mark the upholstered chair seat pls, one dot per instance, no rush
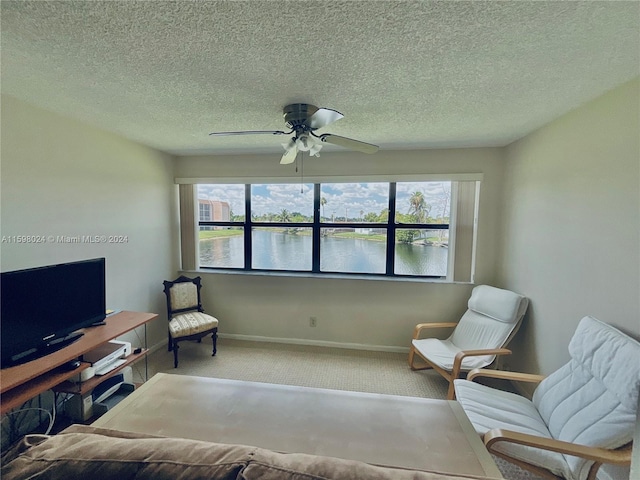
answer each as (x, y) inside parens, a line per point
(191, 323)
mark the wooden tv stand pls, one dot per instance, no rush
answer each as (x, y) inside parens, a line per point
(21, 383)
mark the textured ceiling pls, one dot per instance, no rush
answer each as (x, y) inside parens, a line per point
(405, 74)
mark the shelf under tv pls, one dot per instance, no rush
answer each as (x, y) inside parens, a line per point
(86, 387)
(20, 383)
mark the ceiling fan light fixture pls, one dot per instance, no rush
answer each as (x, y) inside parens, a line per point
(314, 151)
(304, 143)
(288, 146)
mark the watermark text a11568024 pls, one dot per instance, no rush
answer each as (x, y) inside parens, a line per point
(64, 239)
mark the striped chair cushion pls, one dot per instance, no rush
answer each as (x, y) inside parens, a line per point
(191, 323)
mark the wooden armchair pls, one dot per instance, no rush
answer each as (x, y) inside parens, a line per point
(581, 416)
(490, 322)
(187, 320)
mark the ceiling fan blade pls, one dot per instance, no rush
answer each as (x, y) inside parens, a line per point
(349, 143)
(290, 152)
(289, 156)
(250, 132)
(323, 117)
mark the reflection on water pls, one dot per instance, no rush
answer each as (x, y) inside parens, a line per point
(274, 250)
(421, 260)
(227, 252)
(279, 251)
(352, 255)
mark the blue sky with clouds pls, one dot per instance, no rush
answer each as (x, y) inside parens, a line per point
(349, 198)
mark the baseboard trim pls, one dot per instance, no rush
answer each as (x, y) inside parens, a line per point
(315, 343)
(157, 346)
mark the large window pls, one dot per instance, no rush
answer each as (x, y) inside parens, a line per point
(419, 229)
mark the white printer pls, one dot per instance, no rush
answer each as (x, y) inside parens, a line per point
(82, 407)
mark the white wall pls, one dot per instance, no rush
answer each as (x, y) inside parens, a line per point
(61, 177)
(379, 313)
(571, 229)
(571, 225)
(571, 237)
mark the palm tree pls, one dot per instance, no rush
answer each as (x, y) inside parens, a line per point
(418, 207)
(323, 202)
(284, 216)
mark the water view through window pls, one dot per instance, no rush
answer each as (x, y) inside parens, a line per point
(280, 251)
(351, 222)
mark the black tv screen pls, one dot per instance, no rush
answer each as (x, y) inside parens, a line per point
(41, 306)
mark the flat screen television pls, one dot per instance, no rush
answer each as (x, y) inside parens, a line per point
(42, 308)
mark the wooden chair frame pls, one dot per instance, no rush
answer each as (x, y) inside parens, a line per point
(620, 456)
(172, 344)
(456, 371)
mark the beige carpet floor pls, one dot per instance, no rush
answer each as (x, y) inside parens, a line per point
(306, 366)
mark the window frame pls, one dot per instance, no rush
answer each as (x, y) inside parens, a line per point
(316, 226)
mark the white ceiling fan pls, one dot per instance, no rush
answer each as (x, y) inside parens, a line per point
(304, 120)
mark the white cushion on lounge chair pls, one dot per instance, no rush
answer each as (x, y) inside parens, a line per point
(592, 401)
(492, 316)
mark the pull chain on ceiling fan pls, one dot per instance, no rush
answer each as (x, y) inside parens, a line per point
(304, 119)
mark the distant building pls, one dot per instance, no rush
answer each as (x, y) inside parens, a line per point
(213, 211)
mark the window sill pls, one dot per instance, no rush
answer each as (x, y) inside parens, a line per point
(334, 276)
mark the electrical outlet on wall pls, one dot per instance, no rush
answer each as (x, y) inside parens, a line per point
(313, 321)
